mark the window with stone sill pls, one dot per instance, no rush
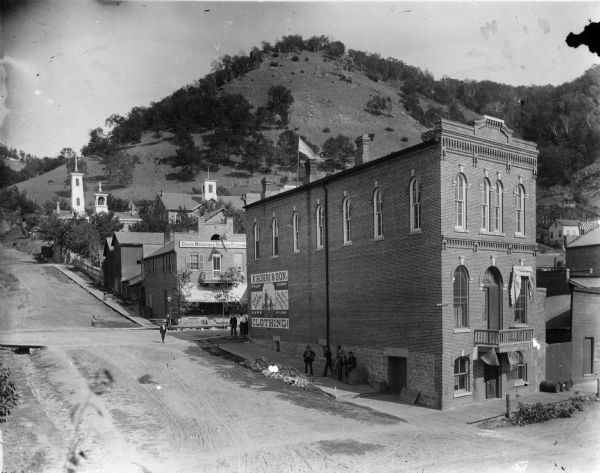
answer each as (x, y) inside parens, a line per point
(461, 375)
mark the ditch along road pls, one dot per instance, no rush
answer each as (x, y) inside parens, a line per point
(114, 399)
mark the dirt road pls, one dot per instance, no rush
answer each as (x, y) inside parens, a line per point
(128, 403)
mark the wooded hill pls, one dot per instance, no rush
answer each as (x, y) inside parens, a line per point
(247, 114)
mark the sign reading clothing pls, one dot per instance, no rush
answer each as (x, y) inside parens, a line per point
(269, 300)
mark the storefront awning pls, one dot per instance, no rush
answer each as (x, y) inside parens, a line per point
(490, 358)
(237, 294)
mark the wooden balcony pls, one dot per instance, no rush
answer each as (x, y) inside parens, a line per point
(210, 276)
(503, 338)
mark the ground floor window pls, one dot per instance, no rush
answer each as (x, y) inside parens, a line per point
(461, 374)
(518, 368)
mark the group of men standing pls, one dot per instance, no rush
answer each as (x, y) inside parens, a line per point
(343, 364)
(243, 323)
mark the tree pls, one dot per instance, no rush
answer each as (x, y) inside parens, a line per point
(120, 166)
(105, 224)
(184, 221)
(84, 240)
(279, 101)
(338, 152)
(378, 105)
(257, 149)
(228, 281)
(179, 303)
(336, 49)
(150, 222)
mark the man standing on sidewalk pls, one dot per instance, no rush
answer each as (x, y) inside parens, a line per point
(328, 365)
(309, 356)
(233, 324)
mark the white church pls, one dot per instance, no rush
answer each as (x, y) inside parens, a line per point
(128, 218)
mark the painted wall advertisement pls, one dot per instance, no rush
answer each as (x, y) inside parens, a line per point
(269, 300)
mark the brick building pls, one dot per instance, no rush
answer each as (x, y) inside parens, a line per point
(421, 262)
(205, 255)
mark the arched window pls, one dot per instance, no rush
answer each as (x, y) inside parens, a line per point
(461, 374)
(498, 207)
(415, 205)
(520, 210)
(346, 218)
(461, 297)
(460, 201)
(377, 214)
(275, 237)
(485, 206)
(320, 229)
(296, 232)
(256, 232)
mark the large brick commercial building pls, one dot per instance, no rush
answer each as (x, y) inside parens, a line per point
(420, 262)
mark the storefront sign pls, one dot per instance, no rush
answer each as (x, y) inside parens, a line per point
(212, 244)
(269, 300)
(262, 322)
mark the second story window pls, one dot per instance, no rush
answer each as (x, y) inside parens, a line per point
(461, 297)
(320, 228)
(238, 260)
(521, 302)
(275, 237)
(460, 202)
(216, 260)
(485, 205)
(346, 219)
(498, 210)
(377, 214)
(296, 232)
(520, 210)
(415, 205)
(256, 232)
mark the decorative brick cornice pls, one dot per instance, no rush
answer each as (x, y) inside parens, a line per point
(485, 245)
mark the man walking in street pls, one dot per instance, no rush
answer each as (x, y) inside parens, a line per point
(233, 324)
(163, 331)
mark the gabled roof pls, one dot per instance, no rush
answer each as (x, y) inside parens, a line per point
(235, 200)
(138, 238)
(590, 238)
(175, 201)
(567, 223)
(161, 251)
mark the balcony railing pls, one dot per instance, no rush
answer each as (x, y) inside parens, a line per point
(500, 338)
(208, 275)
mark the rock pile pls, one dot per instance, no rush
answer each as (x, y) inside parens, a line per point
(287, 374)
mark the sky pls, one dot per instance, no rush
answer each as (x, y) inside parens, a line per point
(67, 65)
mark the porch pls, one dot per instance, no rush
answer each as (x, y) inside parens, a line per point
(503, 338)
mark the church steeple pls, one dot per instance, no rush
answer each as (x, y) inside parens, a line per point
(101, 200)
(77, 199)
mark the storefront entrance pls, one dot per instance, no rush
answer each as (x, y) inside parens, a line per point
(491, 377)
(396, 373)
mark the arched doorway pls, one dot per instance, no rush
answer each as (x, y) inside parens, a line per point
(492, 284)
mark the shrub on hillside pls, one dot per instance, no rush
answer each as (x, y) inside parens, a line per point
(404, 139)
(295, 58)
(326, 130)
(8, 394)
(389, 128)
(273, 64)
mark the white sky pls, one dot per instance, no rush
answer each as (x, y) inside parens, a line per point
(67, 65)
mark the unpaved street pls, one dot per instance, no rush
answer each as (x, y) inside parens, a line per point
(127, 403)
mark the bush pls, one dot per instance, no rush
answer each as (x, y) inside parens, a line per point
(389, 128)
(273, 64)
(539, 412)
(305, 59)
(404, 139)
(326, 130)
(275, 55)
(8, 394)
(295, 58)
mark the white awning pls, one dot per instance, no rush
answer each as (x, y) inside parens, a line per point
(211, 295)
(515, 288)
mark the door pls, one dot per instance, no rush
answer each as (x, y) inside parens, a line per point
(588, 357)
(491, 377)
(396, 373)
(493, 298)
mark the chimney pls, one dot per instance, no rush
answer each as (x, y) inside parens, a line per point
(362, 149)
(263, 188)
(310, 170)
